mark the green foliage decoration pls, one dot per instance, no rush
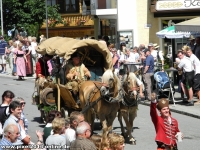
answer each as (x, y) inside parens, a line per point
(47, 108)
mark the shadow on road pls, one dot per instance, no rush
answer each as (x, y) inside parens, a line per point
(114, 128)
(37, 119)
(19, 79)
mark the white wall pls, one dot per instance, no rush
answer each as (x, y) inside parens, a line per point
(125, 10)
(127, 17)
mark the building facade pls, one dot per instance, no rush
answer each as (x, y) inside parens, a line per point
(76, 23)
(132, 21)
(169, 12)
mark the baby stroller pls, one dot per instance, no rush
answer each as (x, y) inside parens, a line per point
(164, 85)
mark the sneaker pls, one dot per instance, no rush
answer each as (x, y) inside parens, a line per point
(191, 103)
(3, 72)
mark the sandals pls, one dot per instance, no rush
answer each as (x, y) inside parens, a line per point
(197, 102)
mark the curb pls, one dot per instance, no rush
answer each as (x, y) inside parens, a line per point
(15, 77)
(176, 111)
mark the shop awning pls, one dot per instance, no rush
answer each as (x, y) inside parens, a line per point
(192, 25)
(170, 33)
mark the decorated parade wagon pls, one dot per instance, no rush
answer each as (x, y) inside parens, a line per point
(52, 92)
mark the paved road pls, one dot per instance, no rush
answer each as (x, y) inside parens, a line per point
(144, 131)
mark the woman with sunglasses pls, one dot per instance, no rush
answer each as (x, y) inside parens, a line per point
(23, 118)
(4, 109)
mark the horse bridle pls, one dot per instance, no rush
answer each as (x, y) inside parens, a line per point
(105, 93)
(128, 100)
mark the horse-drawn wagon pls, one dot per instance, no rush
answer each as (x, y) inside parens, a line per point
(98, 97)
(54, 94)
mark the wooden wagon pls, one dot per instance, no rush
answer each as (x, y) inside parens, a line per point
(55, 95)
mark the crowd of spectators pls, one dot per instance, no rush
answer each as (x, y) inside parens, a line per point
(20, 54)
(188, 64)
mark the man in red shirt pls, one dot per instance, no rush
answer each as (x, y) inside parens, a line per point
(42, 67)
(166, 127)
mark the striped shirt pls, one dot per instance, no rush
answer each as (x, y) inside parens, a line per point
(3, 45)
(4, 142)
(13, 120)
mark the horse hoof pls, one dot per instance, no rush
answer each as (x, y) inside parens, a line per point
(133, 143)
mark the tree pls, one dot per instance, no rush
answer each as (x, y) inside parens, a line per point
(28, 13)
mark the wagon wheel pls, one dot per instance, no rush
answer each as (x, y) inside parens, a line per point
(64, 112)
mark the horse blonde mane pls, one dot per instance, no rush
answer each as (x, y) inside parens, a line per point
(109, 74)
(131, 76)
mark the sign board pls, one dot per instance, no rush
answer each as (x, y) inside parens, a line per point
(177, 5)
(147, 26)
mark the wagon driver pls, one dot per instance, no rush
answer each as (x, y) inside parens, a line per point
(76, 74)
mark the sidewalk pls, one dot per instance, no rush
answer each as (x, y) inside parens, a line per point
(9, 74)
(180, 107)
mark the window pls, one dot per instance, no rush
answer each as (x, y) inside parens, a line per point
(51, 2)
(66, 6)
(72, 6)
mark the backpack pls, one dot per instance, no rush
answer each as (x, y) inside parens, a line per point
(3, 115)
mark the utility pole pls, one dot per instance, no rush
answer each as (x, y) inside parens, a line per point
(1, 17)
(47, 32)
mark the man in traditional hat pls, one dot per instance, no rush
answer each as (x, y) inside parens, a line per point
(156, 53)
(166, 127)
(76, 73)
(191, 43)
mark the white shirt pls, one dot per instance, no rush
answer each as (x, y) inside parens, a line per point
(122, 57)
(137, 56)
(70, 134)
(130, 58)
(33, 45)
(154, 53)
(186, 64)
(196, 63)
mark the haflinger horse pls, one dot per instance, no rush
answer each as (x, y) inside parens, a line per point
(101, 100)
(128, 106)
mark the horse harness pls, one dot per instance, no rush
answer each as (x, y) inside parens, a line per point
(129, 102)
(104, 94)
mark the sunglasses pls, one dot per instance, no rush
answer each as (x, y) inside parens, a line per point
(23, 103)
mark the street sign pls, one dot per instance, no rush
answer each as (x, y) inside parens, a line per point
(177, 5)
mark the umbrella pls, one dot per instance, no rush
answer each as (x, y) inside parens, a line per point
(170, 33)
(191, 25)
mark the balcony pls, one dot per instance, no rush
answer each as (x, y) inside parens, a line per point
(104, 9)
